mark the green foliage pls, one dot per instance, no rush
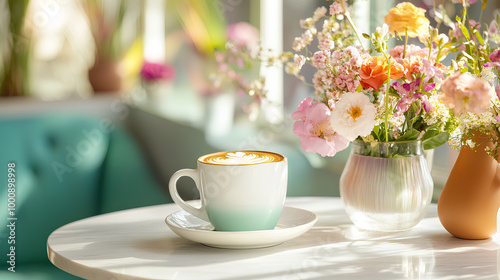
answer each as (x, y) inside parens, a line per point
(434, 138)
(203, 22)
(400, 149)
(14, 73)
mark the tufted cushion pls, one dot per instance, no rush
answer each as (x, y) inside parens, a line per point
(127, 180)
(57, 174)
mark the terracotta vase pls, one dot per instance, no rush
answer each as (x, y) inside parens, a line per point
(107, 76)
(469, 202)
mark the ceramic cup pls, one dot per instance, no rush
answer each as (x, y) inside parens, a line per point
(239, 190)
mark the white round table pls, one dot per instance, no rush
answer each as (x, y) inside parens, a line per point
(137, 244)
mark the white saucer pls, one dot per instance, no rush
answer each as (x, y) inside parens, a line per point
(292, 223)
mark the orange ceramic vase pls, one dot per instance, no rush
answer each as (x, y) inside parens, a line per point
(469, 202)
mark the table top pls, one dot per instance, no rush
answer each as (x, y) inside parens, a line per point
(137, 244)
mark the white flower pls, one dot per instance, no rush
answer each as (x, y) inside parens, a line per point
(441, 39)
(299, 60)
(353, 116)
(383, 31)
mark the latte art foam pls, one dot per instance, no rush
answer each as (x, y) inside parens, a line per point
(241, 158)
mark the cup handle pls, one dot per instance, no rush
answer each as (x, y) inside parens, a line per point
(172, 186)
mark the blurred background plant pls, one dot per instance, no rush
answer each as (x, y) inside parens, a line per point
(221, 65)
(204, 30)
(203, 23)
(116, 27)
(106, 21)
(238, 66)
(14, 48)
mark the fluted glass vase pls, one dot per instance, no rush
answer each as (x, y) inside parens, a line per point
(386, 186)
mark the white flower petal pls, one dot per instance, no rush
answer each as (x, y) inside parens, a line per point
(354, 116)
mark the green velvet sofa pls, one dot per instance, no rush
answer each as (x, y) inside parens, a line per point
(68, 166)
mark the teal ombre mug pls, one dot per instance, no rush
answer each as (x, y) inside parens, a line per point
(239, 190)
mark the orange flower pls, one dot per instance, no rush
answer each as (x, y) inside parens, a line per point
(373, 72)
(411, 65)
(406, 17)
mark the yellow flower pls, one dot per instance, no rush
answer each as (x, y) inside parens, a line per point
(406, 17)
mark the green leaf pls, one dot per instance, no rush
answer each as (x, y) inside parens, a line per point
(478, 36)
(433, 126)
(429, 134)
(464, 31)
(397, 156)
(376, 132)
(394, 92)
(366, 36)
(433, 139)
(410, 135)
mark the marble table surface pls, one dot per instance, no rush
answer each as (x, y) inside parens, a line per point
(137, 244)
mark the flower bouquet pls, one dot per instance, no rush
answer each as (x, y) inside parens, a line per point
(383, 101)
(387, 97)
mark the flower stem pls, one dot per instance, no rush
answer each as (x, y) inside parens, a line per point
(480, 15)
(476, 51)
(386, 97)
(406, 42)
(346, 14)
(438, 55)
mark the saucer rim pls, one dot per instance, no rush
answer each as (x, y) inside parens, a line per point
(288, 233)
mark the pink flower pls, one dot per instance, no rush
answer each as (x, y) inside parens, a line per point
(347, 81)
(155, 71)
(397, 51)
(220, 57)
(336, 8)
(497, 90)
(430, 70)
(495, 60)
(463, 92)
(319, 13)
(320, 58)
(301, 42)
(243, 34)
(298, 44)
(409, 95)
(355, 58)
(325, 42)
(299, 60)
(307, 36)
(315, 131)
(493, 27)
(495, 56)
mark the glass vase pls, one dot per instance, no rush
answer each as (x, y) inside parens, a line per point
(386, 186)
